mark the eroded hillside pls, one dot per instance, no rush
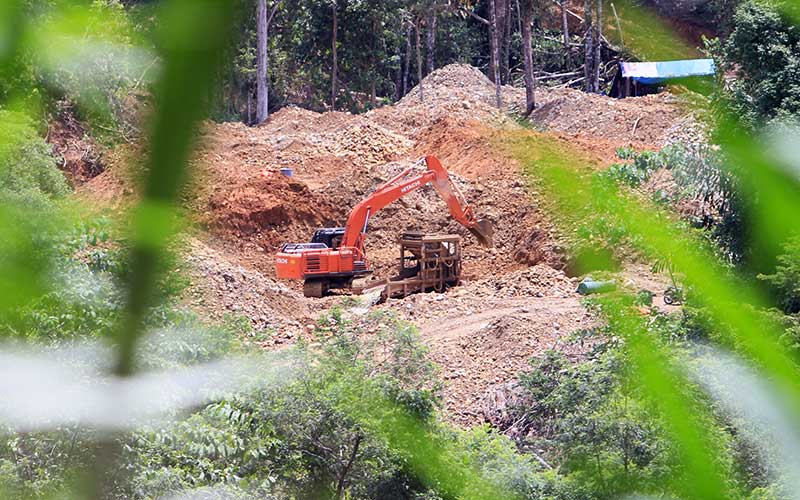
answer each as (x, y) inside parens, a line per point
(516, 300)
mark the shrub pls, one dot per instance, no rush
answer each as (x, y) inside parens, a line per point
(700, 176)
(585, 417)
(785, 281)
(27, 167)
(763, 49)
(637, 170)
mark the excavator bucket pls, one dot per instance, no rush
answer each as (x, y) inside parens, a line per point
(484, 232)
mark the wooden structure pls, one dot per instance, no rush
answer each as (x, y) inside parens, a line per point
(427, 263)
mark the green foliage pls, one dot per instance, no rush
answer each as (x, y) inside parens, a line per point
(28, 172)
(691, 430)
(86, 275)
(97, 68)
(641, 165)
(33, 465)
(391, 352)
(785, 281)
(298, 441)
(501, 462)
(701, 179)
(595, 424)
(763, 48)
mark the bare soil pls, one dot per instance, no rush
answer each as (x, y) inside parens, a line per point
(80, 158)
(515, 302)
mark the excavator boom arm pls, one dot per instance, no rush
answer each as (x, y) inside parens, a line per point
(396, 188)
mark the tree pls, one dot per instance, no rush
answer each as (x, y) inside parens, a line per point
(592, 44)
(763, 51)
(407, 68)
(419, 59)
(588, 59)
(497, 30)
(598, 43)
(565, 29)
(495, 47)
(526, 16)
(430, 38)
(334, 42)
(503, 12)
(265, 15)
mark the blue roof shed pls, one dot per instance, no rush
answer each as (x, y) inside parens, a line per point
(650, 73)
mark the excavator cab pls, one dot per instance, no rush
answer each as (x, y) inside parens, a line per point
(331, 237)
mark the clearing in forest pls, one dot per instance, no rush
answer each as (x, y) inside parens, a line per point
(516, 301)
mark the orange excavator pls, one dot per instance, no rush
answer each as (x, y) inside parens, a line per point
(335, 256)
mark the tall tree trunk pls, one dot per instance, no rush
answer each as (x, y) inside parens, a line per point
(407, 69)
(493, 29)
(565, 29)
(588, 66)
(598, 44)
(335, 71)
(262, 90)
(398, 82)
(506, 68)
(500, 12)
(249, 106)
(430, 41)
(527, 49)
(419, 59)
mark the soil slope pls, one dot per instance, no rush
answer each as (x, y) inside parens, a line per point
(515, 301)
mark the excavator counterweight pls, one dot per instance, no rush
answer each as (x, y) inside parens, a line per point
(335, 256)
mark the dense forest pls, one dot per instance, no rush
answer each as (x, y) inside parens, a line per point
(121, 377)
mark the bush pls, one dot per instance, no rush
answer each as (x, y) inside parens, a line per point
(763, 49)
(587, 418)
(27, 167)
(638, 169)
(785, 281)
(700, 176)
(295, 441)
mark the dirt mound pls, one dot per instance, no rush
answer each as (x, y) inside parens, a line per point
(457, 91)
(80, 157)
(452, 76)
(370, 144)
(483, 334)
(220, 286)
(267, 204)
(464, 147)
(115, 186)
(639, 121)
(537, 281)
(292, 118)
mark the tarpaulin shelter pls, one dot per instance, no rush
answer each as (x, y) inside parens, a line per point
(634, 78)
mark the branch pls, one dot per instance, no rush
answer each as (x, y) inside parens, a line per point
(273, 12)
(475, 16)
(576, 16)
(540, 459)
(346, 470)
